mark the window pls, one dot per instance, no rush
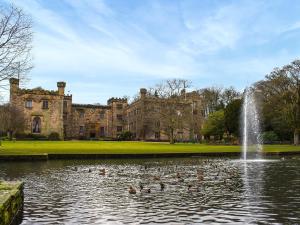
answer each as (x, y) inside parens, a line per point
(157, 124)
(28, 104)
(36, 125)
(119, 106)
(101, 115)
(157, 135)
(81, 129)
(45, 104)
(65, 106)
(81, 113)
(102, 131)
(119, 117)
(65, 130)
(119, 128)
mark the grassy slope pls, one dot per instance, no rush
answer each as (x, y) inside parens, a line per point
(88, 147)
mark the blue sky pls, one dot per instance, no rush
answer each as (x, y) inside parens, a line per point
(111, 48)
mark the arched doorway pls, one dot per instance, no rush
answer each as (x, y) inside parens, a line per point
(36, 125)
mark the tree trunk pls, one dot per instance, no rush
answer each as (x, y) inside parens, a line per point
(9, 135)
(172, 136)
(296, 137)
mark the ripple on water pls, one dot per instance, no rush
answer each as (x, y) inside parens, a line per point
(55, 193)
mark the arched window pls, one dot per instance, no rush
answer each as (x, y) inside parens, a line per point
(36, 125)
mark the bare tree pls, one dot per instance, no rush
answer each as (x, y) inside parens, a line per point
(212, 99)
(15, 44)
(12, 120)
(170, 106)
(230, 94)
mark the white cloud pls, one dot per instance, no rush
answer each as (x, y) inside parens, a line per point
(93, 40)
(124, 46)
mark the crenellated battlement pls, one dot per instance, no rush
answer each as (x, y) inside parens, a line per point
(121, 100)
(37, 91)
(90, 106)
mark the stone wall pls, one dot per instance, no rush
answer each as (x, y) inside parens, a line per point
(117, 116)
(144, 118)
(104, 121)
(11, 202)
(88, 120)
(51, 117)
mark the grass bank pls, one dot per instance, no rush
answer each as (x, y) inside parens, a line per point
(101, 147)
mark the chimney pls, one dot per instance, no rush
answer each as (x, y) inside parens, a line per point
(143, 92)
(14, 83)
(14, 86)
(61, 87)
(183, 93)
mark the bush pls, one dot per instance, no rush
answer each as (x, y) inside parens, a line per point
(269, 137)
(53, 136)
(21, 136)
(82, 138)
(24, 136)
(125, 136)
(36, 137)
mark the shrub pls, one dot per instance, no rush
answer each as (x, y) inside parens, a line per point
(125, 136)
(269, 137)
(53, 136)
(36, 137)
(29, 136)
(21, 136)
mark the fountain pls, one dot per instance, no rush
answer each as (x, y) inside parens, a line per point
(252, 141)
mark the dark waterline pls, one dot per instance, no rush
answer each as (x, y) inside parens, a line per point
(232, 192)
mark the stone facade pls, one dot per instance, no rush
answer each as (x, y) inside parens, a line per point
(43, 109)
(52, 111)
(146, 122)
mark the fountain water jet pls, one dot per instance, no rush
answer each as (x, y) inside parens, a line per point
(252, 141)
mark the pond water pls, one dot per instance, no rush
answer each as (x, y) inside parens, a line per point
(233, 192)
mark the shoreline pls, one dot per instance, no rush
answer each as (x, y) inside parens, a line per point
(46, 157)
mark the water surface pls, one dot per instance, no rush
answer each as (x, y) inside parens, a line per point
(233, 192)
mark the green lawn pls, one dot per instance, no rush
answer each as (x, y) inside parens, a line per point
(101, 147)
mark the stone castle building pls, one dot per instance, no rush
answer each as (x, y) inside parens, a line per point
(48, 111)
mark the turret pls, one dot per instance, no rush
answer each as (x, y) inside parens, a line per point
(117, 100)
(143, 92)
(14, 83)
(14, 87)
(61, 87)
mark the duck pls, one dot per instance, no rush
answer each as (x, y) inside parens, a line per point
(192, 189)
(148, 190)
(178, 175)
(102, 172)
(131, 190)
(90, 170)
(200, 175)
(156, 177)
(162, 186)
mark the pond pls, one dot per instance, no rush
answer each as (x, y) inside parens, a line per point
(231, 191)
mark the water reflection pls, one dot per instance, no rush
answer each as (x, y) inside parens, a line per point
(231, 191)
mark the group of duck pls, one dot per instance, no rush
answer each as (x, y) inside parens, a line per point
(102, 171)
(179, 179)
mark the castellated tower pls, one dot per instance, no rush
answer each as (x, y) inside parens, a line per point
(43, 109)
(143, 92)
(117, 115)
(61, 87)
(14, 87)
